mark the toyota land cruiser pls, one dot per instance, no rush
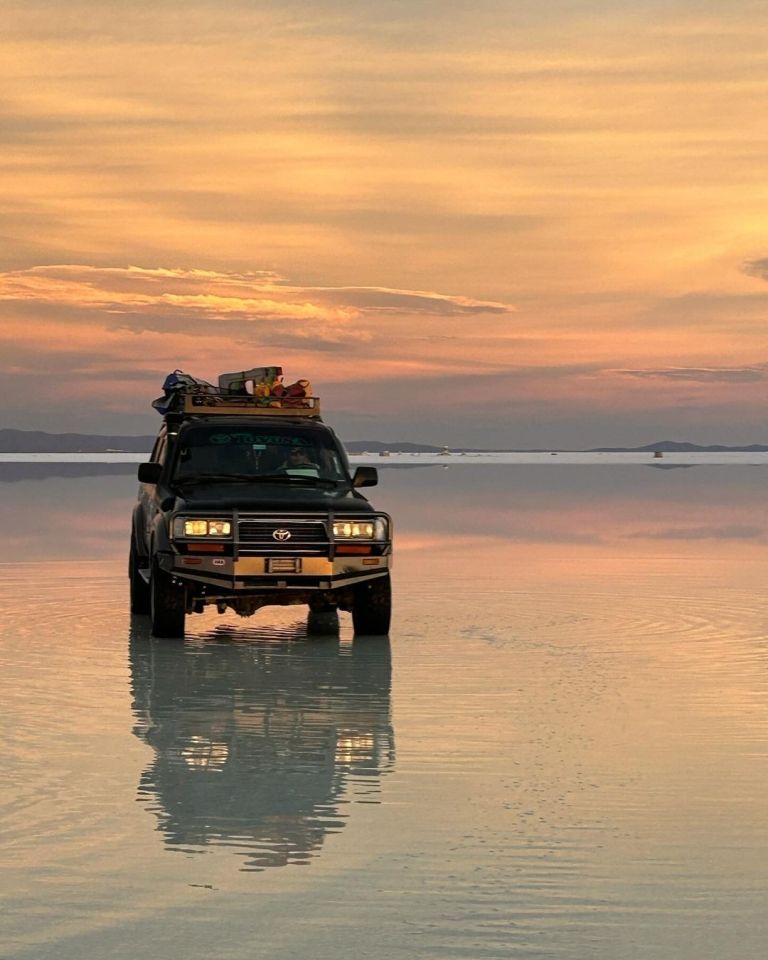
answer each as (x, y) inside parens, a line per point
(244, 505)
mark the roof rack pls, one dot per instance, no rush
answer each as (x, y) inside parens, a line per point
(221, 402)
(257, 392)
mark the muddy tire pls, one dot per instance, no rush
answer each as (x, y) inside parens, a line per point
(168, 604)
(139, 586)
(372, 608)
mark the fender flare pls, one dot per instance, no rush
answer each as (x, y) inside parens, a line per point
(160, 546)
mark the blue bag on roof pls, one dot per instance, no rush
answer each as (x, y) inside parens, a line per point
(177, 383)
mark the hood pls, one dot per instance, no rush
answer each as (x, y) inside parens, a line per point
(279, 496)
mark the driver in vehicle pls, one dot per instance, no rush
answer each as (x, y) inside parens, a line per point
(299, 464)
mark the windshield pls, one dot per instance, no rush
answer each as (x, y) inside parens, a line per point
(260, 451)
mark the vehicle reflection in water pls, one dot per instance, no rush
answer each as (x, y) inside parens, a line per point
(260, 746)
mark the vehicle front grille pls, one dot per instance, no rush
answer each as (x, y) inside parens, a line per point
(262, 536)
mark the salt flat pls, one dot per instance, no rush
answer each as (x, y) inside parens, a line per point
(559, 753)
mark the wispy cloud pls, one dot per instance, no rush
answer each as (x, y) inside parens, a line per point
(756, 268)
(742, 374)
(731, 532)
(216, 295)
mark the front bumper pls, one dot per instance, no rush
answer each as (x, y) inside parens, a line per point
(258, 575)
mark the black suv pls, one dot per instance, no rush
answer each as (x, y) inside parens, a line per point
(256, 507)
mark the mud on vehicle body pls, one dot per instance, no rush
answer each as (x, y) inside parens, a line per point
(243, 506)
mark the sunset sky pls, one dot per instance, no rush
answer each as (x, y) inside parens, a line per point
(493, 223)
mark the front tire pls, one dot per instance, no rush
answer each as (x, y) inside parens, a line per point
(140, 602)
(323, 622)
(168, 603)
(372, 608)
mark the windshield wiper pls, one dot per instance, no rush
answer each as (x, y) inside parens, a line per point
(294, 478)
(253, 478)
(213, 478)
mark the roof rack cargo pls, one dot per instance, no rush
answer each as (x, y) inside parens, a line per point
(256, 392)
(220, 402)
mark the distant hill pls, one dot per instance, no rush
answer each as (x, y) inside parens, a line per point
(37, 441)
(679, 446)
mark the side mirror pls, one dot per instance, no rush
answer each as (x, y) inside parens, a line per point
(365, 477)
(150, 472)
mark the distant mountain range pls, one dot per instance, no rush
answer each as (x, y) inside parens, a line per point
(672, 446)
(37, 441)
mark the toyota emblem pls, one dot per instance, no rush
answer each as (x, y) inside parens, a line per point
(281, 534)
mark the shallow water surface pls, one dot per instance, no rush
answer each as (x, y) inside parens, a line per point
(561, 751)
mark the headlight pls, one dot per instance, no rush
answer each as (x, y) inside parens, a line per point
(185, 527)
(374, 529)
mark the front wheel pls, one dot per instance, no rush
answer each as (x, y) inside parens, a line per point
(323, 622)
(168, 604)
(372, 608)
(140, 602)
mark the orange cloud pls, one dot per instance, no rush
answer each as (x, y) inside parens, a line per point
(211, 295)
